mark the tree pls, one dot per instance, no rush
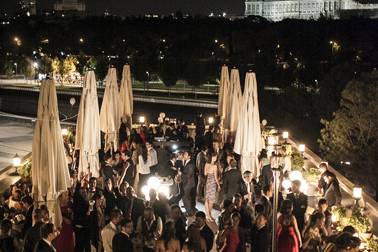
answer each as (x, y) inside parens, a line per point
(352, 134)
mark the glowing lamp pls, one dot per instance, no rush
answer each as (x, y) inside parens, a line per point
(142, 119)
(357, 192)
(210, 120)
(16, 160)
(286, 184)
(264, 122)
(174, 147)
(285, 135)
(146, 192)
(272, 140)
(153, 183)
(164, 189)
(302, 148)
(295, 175)
(64, 132)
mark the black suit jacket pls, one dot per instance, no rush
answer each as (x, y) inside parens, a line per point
(137, 209)
(188, 173)
(121, 242)
(244, 191)
(42, 246)
(28, 221)
(299, 208)
(267, 207)
(208, 235)
(260, 239)
(267, 175)
(32, 236)
(231, 183)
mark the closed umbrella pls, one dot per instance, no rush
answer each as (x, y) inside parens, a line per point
(223, 94)
(235, 100)
(50, 175)
(126, 95)
(88, 137)
(109, 114)
(248, 134)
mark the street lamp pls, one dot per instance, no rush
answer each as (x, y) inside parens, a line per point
(16, 160)
(302, 148)
(210, 120)
(64, 132)
(276, 175)
(142, 119)
(357, 194)
(285, 135)
(15, 64)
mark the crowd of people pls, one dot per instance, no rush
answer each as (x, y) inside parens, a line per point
(112, 213)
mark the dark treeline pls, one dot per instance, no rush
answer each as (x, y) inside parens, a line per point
(310, 61)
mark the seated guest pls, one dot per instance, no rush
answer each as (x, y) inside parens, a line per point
(232, 180)
(149, 229)
(168, 241)
(48, 235)
(206, 233)
(121, 241)
(109, 231)
(259, 234)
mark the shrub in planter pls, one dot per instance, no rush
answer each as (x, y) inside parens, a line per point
(352, 216)
(25, 170)
(297, 160)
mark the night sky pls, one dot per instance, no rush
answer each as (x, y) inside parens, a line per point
(135, 7)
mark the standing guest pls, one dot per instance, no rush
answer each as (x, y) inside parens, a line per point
(235, 237)
(143, 166)
(232, 181)
(188, 173)
(96, 220)
(128, 173)
(108, 232)
(322, 185)
(149, 229)
(110, 197)
(312, 241)
(205, 232)
(107, 170)
(266, 171)
(208, 137)
(246, 212)
(48, 235)
(323, 208)
(161, 207)
(200, 131)
(122, 199)
(299, 201)
(122, 241)
(288, 235)
(135, 206)
(92, 189)
(265, 202)
(333, 193)
(259, 234)
(168, 241)
(212, 183)
(180, 223)
(224, 219)
(65, 242)
(152, 156)
(200, 165)
(80, 210)
(33, 234)
(7, 241)
(194, 242)
(28, 207)
(247, 188)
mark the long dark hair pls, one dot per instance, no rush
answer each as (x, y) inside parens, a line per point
(210, 156)
(168, 233)
(286, 208)
(144, 152)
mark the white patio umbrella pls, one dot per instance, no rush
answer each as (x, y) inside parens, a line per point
(248, 134)
(235, 100)
(223, 95)
(88, 137)
(126, 95)
(109, 114)
(50, 175)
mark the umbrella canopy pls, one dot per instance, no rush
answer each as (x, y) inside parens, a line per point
(248, 133)
(109, 114)
(50, 175)
(235, 101)
(223, 93)
(126, 95)
(88, 137)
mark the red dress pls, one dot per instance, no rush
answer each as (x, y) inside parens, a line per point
(233, 241)
(287, 239)
(65, 240)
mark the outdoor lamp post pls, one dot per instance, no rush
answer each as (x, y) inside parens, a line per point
(142, 119)
(357, 194)
(301, 148)
(210, 120)
(276, 175)
(64, 132)
(16, 162)
(285, 135)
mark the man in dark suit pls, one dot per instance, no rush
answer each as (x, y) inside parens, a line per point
(232, 180)
(200, 165)
(121, 241)
(134, 206)
(47, 236)
(205, 232)
(33, 234)
(264, 200)
(266, 175)
(189, 184)
(299, 200)
(259, 234)
(247, 188)
(27, 203)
